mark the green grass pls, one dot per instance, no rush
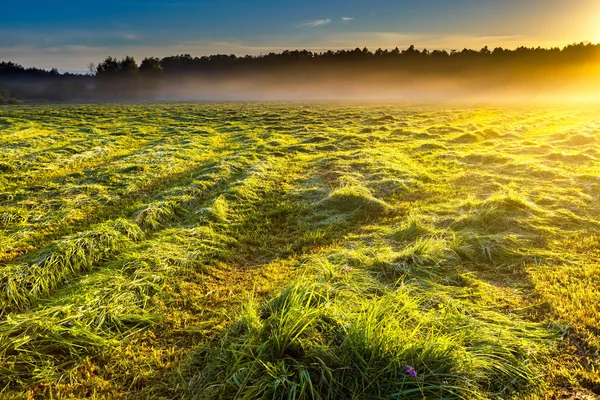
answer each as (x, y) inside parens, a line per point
(298, 251)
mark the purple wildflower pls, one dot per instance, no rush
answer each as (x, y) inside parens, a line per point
(347, 268)
(411, 371)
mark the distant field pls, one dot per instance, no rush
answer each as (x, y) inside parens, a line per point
(296, 251)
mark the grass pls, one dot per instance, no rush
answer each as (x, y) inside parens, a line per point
(298, 251)
(317, 340)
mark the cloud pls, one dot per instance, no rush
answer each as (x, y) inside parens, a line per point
(317, 22)
(347, 19)
(128, 36)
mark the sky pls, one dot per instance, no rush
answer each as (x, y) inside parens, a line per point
(69, 34)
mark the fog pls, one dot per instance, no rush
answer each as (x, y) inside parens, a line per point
(379, 87)
(567, 84)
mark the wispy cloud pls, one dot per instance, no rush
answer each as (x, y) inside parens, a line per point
(317, 22)
(347, 19)
(128, 36)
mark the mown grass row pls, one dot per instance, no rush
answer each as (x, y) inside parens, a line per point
(86, 319)
(40, 218)
(39, 273)
(43, 271)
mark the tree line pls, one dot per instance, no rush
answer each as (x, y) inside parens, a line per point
(410, 59)
(124, 77)
(18, 82)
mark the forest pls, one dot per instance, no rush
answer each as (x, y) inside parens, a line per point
(113, 78)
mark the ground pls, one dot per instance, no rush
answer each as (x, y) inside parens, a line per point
(258, 250)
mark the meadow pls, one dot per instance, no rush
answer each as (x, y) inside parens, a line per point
(299, 251)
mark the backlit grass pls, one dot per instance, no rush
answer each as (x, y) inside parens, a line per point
(298, 251)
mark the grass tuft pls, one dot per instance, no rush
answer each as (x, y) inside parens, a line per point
(351, 199)
(155, 215)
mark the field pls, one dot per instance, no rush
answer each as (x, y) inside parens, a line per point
(299, 251)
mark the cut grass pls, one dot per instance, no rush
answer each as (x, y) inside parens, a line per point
(44, 270)
(316, 341)
(298, 251)
(84, 320)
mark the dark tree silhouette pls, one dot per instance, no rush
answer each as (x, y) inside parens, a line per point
(117, 78)
(151, 68)
(125, 79)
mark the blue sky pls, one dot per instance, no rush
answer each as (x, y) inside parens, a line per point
(70, 34)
